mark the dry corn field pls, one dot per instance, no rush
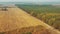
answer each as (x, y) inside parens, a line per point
(17, 21)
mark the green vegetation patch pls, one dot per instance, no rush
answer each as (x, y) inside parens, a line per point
(47, 13)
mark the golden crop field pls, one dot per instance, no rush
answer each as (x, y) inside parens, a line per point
(16, 18)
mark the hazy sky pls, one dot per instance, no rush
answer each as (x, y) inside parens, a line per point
(29, 0)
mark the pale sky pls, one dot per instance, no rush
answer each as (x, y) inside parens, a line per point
(29, 0)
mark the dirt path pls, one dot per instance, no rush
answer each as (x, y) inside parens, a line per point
(16, 18)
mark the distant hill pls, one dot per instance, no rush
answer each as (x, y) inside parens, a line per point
(29, 3)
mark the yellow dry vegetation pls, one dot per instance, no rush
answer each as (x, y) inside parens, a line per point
(16, 18)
